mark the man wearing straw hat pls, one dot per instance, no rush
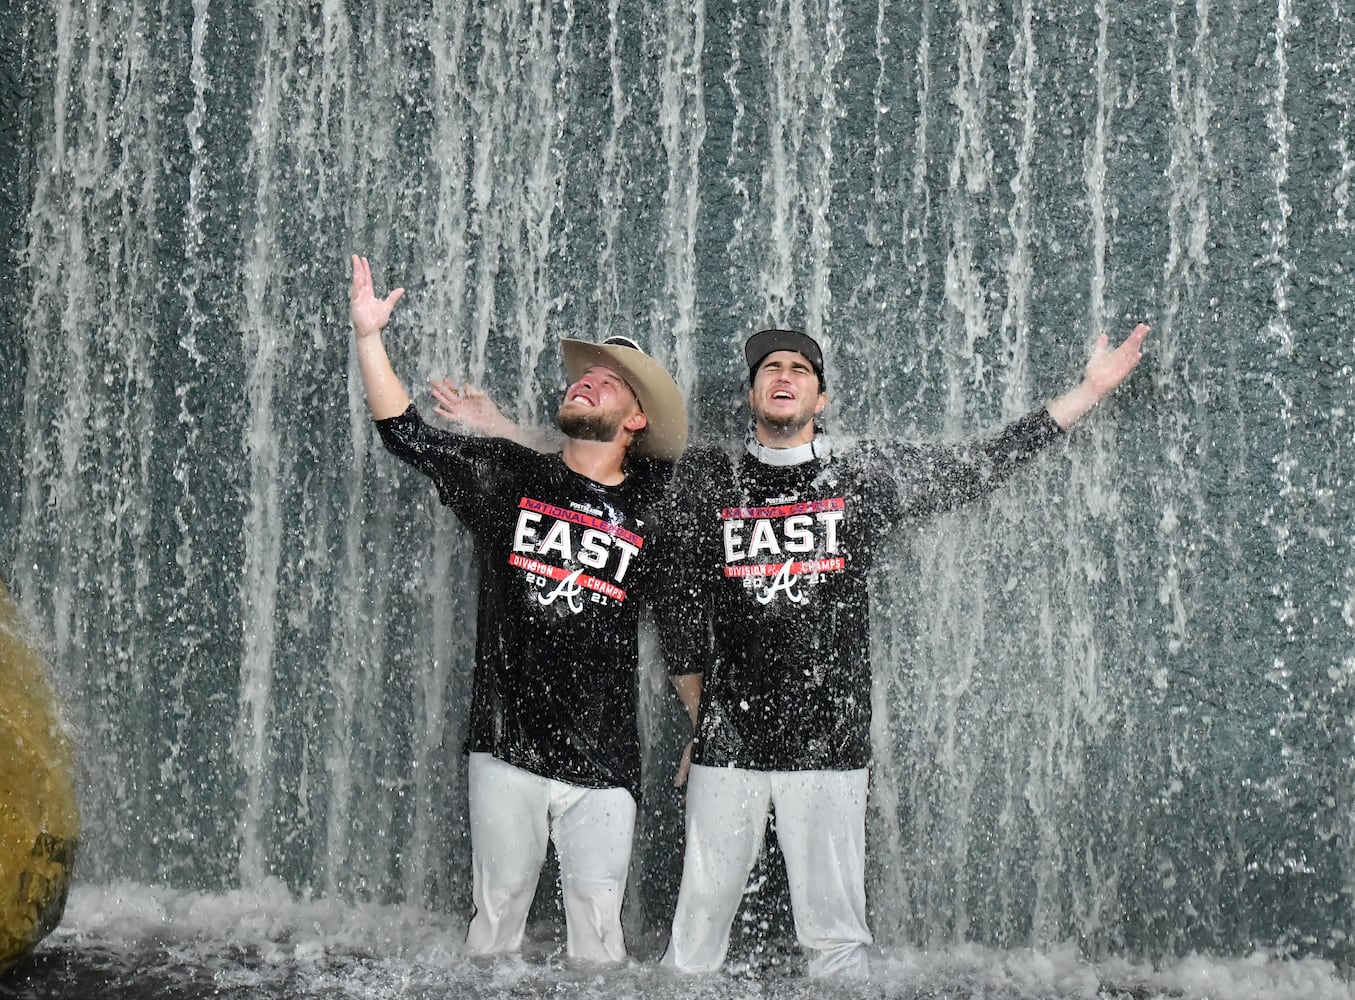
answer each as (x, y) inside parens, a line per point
(566, 545)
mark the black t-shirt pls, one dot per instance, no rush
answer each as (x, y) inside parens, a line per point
(564, 564)
(777, 559)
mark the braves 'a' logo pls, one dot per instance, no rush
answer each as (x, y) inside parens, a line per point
(569, 589)
(782, 582)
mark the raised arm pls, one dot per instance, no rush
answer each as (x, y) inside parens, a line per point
(386, 397)
(1106, 369)
(934, 478)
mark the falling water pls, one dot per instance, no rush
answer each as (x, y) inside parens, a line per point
(1114, 719)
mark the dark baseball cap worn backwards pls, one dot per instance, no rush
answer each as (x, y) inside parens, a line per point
(766, 342)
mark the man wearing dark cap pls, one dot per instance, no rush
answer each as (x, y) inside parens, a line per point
(566, 544)
(781, 541)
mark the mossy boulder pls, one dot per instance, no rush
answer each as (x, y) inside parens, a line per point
(39, 821)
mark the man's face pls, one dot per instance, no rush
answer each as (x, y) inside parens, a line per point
(598, 406)
(785, 394)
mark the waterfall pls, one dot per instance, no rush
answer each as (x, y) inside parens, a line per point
(1113, 704)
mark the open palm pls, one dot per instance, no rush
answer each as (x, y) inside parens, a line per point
(1108, 368)
(370, 314)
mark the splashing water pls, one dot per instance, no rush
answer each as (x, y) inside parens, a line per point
(1113, 706)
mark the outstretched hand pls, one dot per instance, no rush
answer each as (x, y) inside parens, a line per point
(369, 313)
(475, 414)
(470, 407)
(1107, 368)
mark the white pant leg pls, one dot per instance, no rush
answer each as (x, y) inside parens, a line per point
(821, 826)
(726, 820)
(593, 830)
(509, 810)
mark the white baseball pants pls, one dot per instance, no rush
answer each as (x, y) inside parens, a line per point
(512, 813)
(821, 827)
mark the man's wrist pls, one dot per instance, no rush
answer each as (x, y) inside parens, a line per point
(1069, 408)
(370, 341)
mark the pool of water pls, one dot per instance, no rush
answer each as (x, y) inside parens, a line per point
(131, 940)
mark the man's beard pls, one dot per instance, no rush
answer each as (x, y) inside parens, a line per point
(589, 425)
(786, 426)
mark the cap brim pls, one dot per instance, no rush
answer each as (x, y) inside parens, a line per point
(665, 434)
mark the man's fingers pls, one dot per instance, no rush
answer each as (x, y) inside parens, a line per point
(684, 767)
(356, 287)
(1135, 338)
(1134, 342)
(362, 282)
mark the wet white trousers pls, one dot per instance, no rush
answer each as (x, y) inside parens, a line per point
(512, 813)
(821, 827)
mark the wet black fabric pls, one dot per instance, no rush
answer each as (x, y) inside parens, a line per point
(564, 566)
(777, 560)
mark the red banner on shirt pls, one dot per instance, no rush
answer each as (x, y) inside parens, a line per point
(556, 573)
(795, 569)
(579, 517)
(783, 510)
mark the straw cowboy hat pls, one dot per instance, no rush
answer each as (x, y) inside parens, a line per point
(665, 435)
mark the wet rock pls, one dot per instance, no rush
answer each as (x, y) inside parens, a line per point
(39, 821)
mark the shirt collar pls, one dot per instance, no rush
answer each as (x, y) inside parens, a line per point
(817, 448)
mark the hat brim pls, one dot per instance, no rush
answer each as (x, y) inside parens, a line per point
(665, 434)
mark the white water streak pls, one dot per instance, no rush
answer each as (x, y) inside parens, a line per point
(189, 387)
(548, 60)
(1183, 271)
(970, 177)
(928, 341)
(788, 67)
(1023, 70)
(613, 182)
(262, 342)
(1277, 118)
(1094, 167)
(683, 124)
(884, 824)
(448, 264)
(818, 300)
(358, 600)
(742, 226)
(488, 110)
